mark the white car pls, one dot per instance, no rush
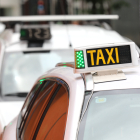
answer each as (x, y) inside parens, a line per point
(21, 65)
(97, 98)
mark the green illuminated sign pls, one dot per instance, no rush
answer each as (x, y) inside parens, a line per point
(79, 59)
(42, 80)
(23, 33)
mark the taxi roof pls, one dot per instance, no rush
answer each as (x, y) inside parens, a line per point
(132, 78)
(76, 92)
(63, 35)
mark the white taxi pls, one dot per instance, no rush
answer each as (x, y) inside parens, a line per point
(97, 98)
(23, 62)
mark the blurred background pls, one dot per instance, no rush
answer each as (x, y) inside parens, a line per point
(128, 10)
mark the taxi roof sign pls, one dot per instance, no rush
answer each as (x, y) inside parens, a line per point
(35, 32)
(105, 57)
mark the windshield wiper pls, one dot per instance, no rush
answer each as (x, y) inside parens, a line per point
(37, 51)
(20, 94)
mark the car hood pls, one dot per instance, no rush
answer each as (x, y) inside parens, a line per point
(9, 110)
(76, 35)
(90, 35)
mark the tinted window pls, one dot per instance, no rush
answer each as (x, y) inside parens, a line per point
(54, 121)
(27, 105)
(112, 115)
(45, 112)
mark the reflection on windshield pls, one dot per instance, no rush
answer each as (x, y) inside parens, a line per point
(112, 115)
(20, 70)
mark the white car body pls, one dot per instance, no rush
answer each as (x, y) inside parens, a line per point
(77, 91)
(62, 36)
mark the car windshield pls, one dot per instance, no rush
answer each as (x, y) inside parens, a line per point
(111, 115)
(21, 69)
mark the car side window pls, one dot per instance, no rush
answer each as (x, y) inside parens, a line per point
(54, 120)
(47, 116)
(30, 113)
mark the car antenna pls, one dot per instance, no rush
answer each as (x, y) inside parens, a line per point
(67, 29)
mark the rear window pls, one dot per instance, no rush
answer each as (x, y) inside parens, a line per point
(21, 69)
(111, 115)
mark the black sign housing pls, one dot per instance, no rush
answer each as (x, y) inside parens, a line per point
(108, 56)
(35, 34)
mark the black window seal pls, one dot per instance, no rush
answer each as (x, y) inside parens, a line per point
(19, 132)
(45, 111)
